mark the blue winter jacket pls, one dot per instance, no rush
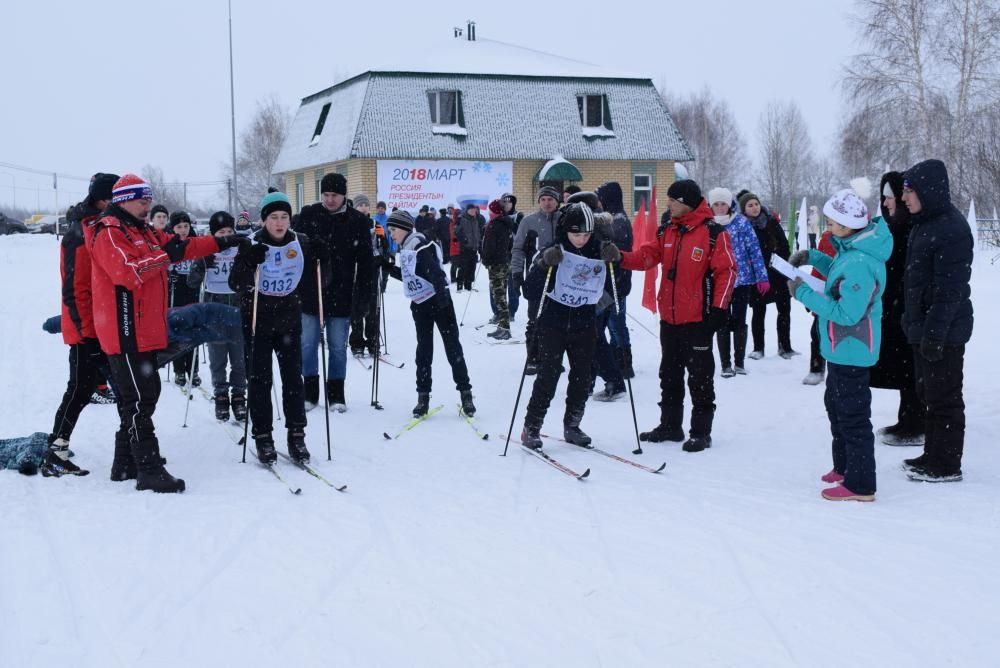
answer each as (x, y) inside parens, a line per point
(750, 268)
(850, 310)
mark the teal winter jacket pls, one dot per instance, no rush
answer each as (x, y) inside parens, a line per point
(850, 308)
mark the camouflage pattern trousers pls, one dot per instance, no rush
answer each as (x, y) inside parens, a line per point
(499, 275)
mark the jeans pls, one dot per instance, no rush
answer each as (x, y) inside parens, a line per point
(231, 351)
(336, 346)
(849, 406)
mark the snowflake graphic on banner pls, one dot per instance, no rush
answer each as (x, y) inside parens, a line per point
(477, 167)
(488, 167)
(502, 180)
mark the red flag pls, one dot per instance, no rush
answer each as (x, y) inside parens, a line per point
(649, 234)
(639, 226)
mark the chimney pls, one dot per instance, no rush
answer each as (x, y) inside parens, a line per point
(471, 32)
(458, 32)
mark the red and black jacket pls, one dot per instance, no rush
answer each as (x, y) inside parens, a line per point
(698, 267)
(74, 266)
(129, 279)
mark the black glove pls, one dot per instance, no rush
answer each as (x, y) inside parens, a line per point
(932, 351)
(552, 256)
(717, 318)
(799, 258)
(175, 247)
(518, 280)
(256, 254)
(610, 253)
(795, 284)
(387, 260)
(231, 241)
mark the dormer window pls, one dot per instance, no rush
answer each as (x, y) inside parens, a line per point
(446, 112)
(320, 124)
(595, 115)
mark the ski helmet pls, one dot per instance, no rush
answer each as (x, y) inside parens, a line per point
(577, 218)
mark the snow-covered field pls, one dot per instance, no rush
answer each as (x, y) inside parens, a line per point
(442, 553)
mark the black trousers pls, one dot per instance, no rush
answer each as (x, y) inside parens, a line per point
(185, 363)
(687, 348)
(467, 263)
(530, 331)
(137, 383)
(438, 310)
(816, 362)
(87, 369)
(735, 330)
(939, 386)
(783, 302)
(364, 329)
(287, 347)
(912, 413)
(578, 346)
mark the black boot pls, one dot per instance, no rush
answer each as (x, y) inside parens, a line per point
(624, 358)
(310, 386)
(669, 428)
(335, 394)
(423, 404)
(180, 379)
(722, 338)
(468, 407)
(697, 443)
(195, 380)
(739, 347)
(123, 464)
(297, 445)
(530, 437)
(239, 406)
(571, 429)
(222, 407)
(150, 473)
(264, 445)
(57, 462)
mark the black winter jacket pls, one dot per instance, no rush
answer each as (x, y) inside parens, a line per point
(553, 314)
(938, 262)
(772, 241)
(347, 237)
(497, 241)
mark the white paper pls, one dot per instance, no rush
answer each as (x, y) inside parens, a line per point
(781, 266)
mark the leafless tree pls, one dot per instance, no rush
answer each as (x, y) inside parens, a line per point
(710, 128)
(170, 196)
(786, 152)
(258, 147)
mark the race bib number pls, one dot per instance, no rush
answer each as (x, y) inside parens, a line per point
(414, 287)
(282, 270)
(217, 277)
(579, 281)
(182, 268)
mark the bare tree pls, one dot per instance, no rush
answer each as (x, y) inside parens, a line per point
(786, 152)
(258, 147)
(170, 196)
(710, 128)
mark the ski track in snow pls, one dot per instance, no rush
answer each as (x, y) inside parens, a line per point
(443, 553)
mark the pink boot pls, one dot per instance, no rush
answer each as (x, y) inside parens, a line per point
(833, 477)
(841, 493)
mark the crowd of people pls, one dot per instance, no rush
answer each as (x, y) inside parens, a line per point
(892, 309)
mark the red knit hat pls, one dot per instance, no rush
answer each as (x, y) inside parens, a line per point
(130, 187)
(496, 207)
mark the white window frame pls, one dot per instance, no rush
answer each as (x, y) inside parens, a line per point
(300, 194)
(647, 190)
(582, 107)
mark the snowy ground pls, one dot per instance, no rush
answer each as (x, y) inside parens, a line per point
(443, 553)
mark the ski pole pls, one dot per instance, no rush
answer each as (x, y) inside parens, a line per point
(628, 381)
(171, 306)
(524, 371)
(322, 348)
(274, 392)
(249, 357)
(378, 307)
(469, 298)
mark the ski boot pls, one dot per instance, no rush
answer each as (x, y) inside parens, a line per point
(264, 445)
(611, 392)
(57, 461)
(530, 437)
(468, 407)
(423, 404)
(697, 444)
(311, 390)
(239, 406)
(222, 407)
(150, 473)
(335, 392)
(500, 334)
(180, 379)
(195, 380)
(297, 445)
(662, 433)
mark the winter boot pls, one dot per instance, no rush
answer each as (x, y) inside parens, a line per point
(468, 407)
(311, 391)
(500, 334)
(222, 407)
(239, 406)
(530, 437)
(669, 428)
(899, 435)
(787, 353)
(841, 493)
(358, 351)
(928, 473)
(756, 355)
(740, 371)
(57, 462)
(910, 464)
(571, 429)
(180, 379)
(739, 347)
(423, 404)
(624, 358)
(697, 443)
(335, 392)
(195, 380)
(611, 392)
(103, 395)
(728, 372)
(265, 449)
(150, 473)
(297, 445)
(832, 478)
(813, 378)
(123, 464)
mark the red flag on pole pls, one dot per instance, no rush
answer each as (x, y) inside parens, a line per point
(639, 227)
(649, 234)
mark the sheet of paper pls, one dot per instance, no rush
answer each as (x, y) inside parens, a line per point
(782, 267)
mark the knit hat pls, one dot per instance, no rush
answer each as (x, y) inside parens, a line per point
(585, 197)
(686, 192)
(360, 199)
(549, 191)
(178, 217)
(244, 217)
(720, 195)
(158, 208)
(333, 183)
(130, 187)
(496, 207)
(846, 208)
(508, 197)
(745, 199)
(220, 220)
(275, 202)
(101, 186)
(572, 189)
(425, 208)
(401, 219)
(577, 218)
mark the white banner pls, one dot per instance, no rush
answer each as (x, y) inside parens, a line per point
(410, 184)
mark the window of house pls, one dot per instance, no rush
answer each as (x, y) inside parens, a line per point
(300, 191)
(318, 182)
(642, 190)
(446, 112)
(595, 115)
(320, 123)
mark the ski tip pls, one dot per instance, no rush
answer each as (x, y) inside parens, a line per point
(486, 437)
(387, 436)
(662, 466)
(342, 488)
(296, 491)
(584, 475)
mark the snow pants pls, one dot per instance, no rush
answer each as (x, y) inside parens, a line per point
(287, 347)
(137, 383)
(848, 402)
(438, 310)
(87, 370)
(578, 346)
(687, 348)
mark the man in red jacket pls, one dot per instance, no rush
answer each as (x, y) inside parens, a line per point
(87, 364)
(129, 280)
(696, 286)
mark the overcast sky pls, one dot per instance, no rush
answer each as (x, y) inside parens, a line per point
(106, 86)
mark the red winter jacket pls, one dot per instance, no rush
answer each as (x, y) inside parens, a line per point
(685, 251)
(825, 246)
(74, 267)
(130, 280)
(454, 248)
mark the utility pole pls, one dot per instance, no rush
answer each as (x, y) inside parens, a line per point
(234, 196)
(185, 195)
